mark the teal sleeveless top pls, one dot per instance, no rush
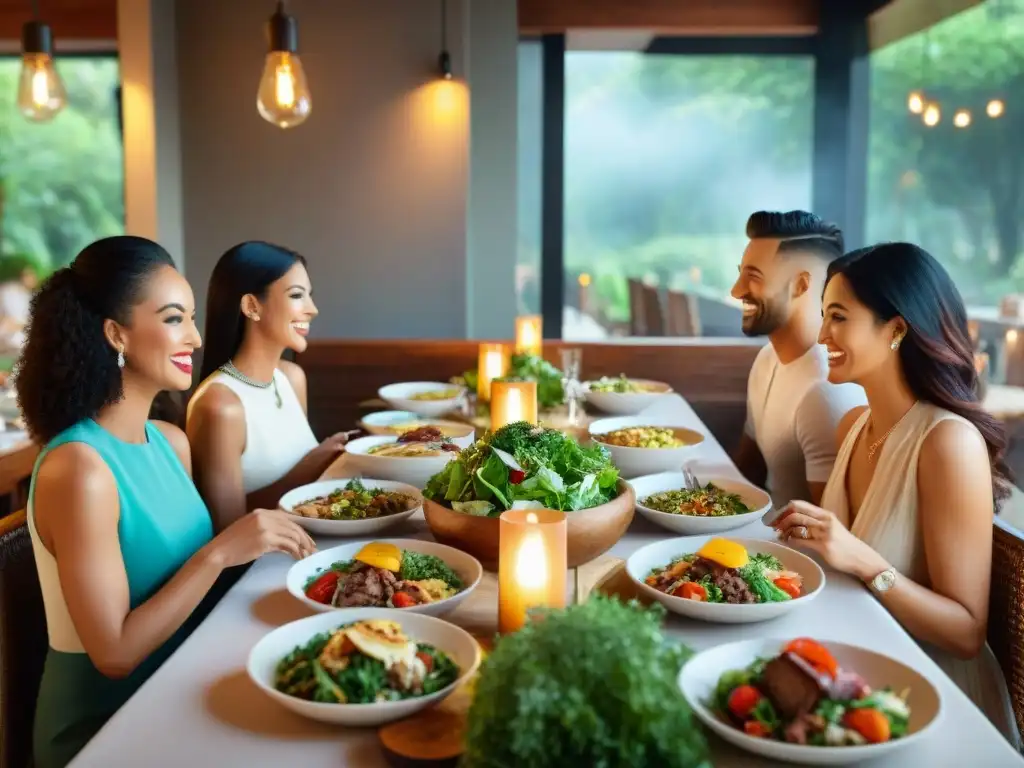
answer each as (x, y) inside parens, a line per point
(163, 522)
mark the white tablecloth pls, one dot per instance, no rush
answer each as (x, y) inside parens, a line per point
(200, 708)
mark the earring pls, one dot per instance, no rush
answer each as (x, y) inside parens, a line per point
(896, 343)
(120, 358)
(256, 318)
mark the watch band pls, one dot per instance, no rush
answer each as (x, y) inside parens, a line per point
(883, 582)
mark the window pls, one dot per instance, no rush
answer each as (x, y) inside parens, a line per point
(955, 187)
(62, 182)
(666, 156)
(529, 175)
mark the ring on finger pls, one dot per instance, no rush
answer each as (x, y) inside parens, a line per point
(801, 532)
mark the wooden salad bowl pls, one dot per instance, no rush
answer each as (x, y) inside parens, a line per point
(589, 532)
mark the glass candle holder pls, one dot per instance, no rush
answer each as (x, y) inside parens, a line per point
(513, 401)
(532, 564)
(492, 363)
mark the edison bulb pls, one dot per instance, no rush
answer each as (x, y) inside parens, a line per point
(915, 102)
(283, 98)
(41, 92)
(995, 108)
(931, 115)
(962, 118)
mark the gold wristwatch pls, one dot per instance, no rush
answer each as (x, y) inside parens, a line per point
(884, 581)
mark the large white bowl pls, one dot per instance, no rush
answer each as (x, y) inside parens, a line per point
(367, 527)
(759, 501)
(414, 470)
(634, 462)
(700, 675)
(383, 423)
(399, 397)
(660, 553)
(466, 566)
(268, 652)
(625, 403)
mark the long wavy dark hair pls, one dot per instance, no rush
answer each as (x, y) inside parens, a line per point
(249, 267)
(901, 279)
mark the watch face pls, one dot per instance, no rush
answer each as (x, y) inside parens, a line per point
(884, 581)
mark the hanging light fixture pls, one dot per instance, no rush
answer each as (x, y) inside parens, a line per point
(995, 108)
(283, 96)
(962, 118)
(931, 115)
(41, 92)
(444, 61)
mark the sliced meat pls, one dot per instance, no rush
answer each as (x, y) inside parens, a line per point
(849, 685)
(802, 727)
(792, 690)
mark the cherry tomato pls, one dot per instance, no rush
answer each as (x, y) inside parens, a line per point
(322, 590)
(815, 654)
(755, 728)
(869, 723)
(789, 586)
(427, 659)
(403, 600)
(691, 591)
(742, 701)
(516, 476)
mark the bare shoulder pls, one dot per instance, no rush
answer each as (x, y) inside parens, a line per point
(954, 445)
(217, 404)
(178, 441)
(72, 477)
(846, 423)
(296, 376)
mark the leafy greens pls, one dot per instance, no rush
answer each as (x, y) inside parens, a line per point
(552, 471)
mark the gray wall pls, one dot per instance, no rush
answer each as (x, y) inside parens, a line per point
(374, 187)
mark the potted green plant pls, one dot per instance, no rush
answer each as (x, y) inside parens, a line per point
(590, 685)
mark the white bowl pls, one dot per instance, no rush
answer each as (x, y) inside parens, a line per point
(759, 501)
(700, 675)
(625, 403)
(633, 462)
(399, 397)
(383, 422)
(660, 553)
(268, 652)
(466, 566)
(414, 470)
(367, 527)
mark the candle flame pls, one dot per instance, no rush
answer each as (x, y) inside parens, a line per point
(531, 517)
(531, 565)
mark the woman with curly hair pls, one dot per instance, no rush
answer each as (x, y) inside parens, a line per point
(123, 543)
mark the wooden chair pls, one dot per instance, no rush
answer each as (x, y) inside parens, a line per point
(683, 314)
(637, 311)
(23, 641)
(654, 318)
(1006, 610)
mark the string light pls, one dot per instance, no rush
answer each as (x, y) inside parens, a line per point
(915, 102)
(931, 115)
(962, 118)
(995, 108)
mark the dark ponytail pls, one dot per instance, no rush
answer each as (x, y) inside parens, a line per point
(937, 356)
(68, 370)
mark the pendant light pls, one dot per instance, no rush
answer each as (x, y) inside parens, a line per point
(283, 97)
(444, 61)
(41, 92)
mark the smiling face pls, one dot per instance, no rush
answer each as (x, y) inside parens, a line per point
(764, 286)
(285, 310)
(161, 335)
(859, 344)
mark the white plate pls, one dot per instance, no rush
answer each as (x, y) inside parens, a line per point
(413, 470)
(660, 553)
(634, 462)
(466, 566)
(368, 527)
(399, 397)
(700, 675)
(625, 403)
(381, 423)
(268, 652)
(691, 525)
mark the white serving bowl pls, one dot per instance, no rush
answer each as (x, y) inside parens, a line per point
(384, 422)
(660, 553)
(414, 470)
(690, 525)
(466, 566)
(367, 527)
(634, 462)
(400, 397)
(268, 652)
(700, 675)
(626, 403)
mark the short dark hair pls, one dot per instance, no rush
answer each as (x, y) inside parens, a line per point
(68, 371)
(798, 230)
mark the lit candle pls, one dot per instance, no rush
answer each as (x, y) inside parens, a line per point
(528, 334)
(513, 401)
(532, 564)
(492, 364)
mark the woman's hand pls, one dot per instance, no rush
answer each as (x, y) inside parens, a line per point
(819, 530)
(325, 453)
(259, 532)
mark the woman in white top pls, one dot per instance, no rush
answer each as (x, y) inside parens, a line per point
(909, 506)
(251, 440)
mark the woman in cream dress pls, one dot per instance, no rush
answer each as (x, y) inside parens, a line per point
(909, 506)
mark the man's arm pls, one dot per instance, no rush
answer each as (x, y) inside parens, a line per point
(748, 458)
(817, 422)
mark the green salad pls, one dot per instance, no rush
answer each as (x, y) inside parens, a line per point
(521, 465)
(550, 393)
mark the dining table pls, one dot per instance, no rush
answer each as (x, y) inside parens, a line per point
(201, 708)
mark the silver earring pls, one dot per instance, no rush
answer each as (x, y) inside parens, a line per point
(895, 344)
(120, 358)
